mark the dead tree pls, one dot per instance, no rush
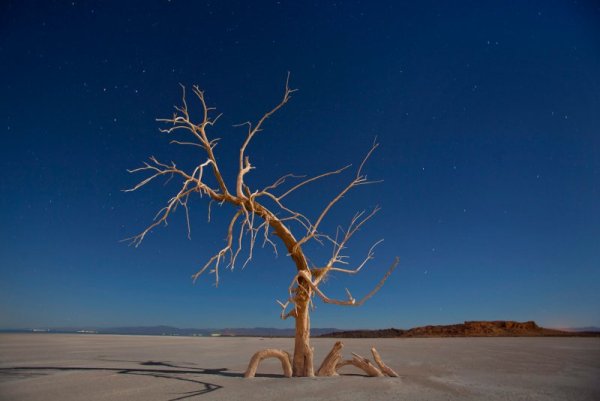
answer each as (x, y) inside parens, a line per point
(259, 213)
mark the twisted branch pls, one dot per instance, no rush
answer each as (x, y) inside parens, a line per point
(351, 301)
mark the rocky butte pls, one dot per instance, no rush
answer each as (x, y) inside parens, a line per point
(497, 328)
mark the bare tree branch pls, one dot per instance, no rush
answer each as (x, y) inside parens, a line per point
(311, 180)
(284, 306)
(198, 130)
(358, 180)
(280, 181)
(244, 163)
(351, 301)
(370, 255)
(216, 259)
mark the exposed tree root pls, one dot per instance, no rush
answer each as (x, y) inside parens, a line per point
(331, 360)
(362, 363)
(384, 368)
(283, 356)
(330, 366)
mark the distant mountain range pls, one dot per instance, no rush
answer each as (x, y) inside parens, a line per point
(580, 329)
(500, 328)
(175, 331)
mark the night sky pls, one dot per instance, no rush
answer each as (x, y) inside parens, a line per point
(488, 116)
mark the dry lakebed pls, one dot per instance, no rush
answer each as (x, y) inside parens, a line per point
(117, 367)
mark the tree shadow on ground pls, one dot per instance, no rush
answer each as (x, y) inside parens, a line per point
(170, 371)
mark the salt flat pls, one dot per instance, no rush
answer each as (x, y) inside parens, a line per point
(106, 367)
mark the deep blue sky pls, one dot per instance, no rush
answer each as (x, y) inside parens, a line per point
(488, 115)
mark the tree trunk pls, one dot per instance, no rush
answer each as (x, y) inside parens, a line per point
(302, 364)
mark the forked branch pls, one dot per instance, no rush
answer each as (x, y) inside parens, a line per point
(350, 301)
(359, 179)
(384, 368)
(244, 201)
(244, 162)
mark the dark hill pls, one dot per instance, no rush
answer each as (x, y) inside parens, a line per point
(499, 328)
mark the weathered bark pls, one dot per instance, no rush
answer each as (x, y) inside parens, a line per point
(283, 356)
(361, 363)
(302, 364)
(384, 368)
(330, 362)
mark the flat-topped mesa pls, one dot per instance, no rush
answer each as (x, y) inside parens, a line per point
(478, 329)
(496, 328)
(500, 327)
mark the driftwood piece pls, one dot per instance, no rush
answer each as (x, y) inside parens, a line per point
(362, 363)
(384, 368)
(283, 356)
(328, 367)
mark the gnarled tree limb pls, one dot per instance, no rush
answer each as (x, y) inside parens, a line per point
(350, 301)
(329, 364)
(256, 359)
(384, 368)
(361, 363)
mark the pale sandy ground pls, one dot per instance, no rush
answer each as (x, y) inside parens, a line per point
(101, 367)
